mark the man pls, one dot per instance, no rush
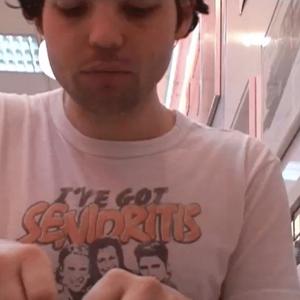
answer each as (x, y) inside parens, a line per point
(152, 259)
(105, 254)
(73, 272)
(140, 172)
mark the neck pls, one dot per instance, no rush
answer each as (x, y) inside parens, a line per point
(148, 121)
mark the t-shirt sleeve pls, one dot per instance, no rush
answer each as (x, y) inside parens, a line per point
(263, 266)
(13, 109)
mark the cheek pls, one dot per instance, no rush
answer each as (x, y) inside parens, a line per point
(61, 47)
(161, 49)
(159, 59)
(62, 57)
(82, 274)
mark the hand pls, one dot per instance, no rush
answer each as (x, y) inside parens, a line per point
(118, 284)
(25, 273)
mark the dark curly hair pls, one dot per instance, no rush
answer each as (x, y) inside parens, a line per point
(101, 244)
(32, 9)
(158, 249)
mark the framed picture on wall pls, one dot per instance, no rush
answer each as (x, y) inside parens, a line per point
(210, 61)
(247, 118)
(295, 216)
(242, 5)
(241, 120)
(192, 83)
(281, 77)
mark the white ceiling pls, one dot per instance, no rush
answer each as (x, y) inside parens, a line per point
(13, 22)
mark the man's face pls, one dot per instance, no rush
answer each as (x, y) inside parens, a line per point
(75, 272)
(107, 259)
(153, 266)
(109, 55)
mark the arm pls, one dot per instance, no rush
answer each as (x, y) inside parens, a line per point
(262, 266)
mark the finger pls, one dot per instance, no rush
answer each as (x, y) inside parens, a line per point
(146, 288)
(111, 287)
(10, 280)
(149, 288)
(11, 287)
(36, 274)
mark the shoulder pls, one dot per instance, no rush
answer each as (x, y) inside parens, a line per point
(21, 101)
(16, 108)
(234, 146)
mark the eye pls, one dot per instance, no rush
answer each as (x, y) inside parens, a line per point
(74, 12)
(139, 12)
(155, 266)
(72, 8)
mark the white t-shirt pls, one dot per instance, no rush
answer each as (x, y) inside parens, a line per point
(202, 209)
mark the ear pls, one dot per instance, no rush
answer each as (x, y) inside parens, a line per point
(187, 9)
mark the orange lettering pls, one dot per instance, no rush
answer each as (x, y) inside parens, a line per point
(48, 224)
(166, 211)
(179, 224)
(191, 212)
(106, 216)
(30, 225)
(150, 223)
(77, 232)
(134, 216)
(93, 214)
(53, 219)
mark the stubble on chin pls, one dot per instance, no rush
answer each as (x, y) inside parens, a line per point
(106, 101)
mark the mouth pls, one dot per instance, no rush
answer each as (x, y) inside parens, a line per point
(105, 76)
(105, 73)
(106, 68)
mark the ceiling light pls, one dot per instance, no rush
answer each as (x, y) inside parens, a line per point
(19, 53)
(255, 39)
(292, 171)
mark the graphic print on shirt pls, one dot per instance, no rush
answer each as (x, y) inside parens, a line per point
(89, 235)
(73, 272)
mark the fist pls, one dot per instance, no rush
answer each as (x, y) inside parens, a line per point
(118, 284)
(25, 273)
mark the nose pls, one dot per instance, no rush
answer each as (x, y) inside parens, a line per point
(146, 272)
(80, 279)
(105, 26)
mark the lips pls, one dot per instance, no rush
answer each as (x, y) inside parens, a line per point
(100, 67)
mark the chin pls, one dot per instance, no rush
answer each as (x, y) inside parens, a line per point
(107, 103)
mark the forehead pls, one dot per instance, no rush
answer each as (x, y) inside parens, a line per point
(106, 251)
(147, 260)
(76, 260)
